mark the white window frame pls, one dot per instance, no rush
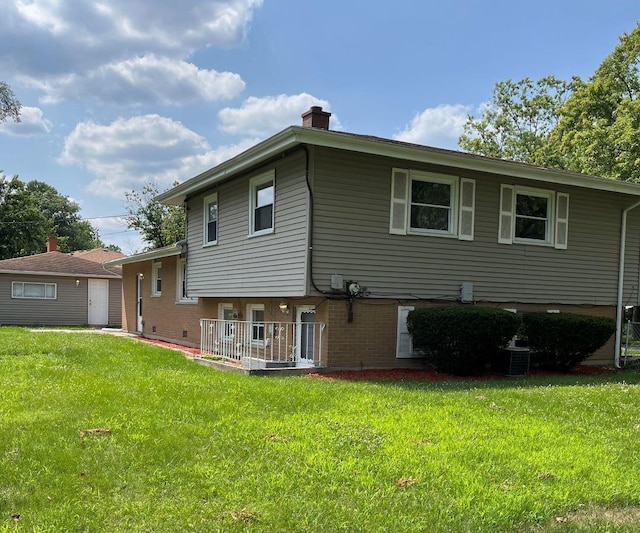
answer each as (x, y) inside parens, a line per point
(210, 199)
(181, 278)
(250, 309)
(550, 220)
(428, 177)
(155, 267)
(461, 207)
(557, 231)
(254, 185)
(15, 284)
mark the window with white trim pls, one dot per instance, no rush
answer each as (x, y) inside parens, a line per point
(426, 203)
(255, 314)
(210, 229)
(261, 202)
(533, 216)
(34, 291)
(181, 288)
(156, 279)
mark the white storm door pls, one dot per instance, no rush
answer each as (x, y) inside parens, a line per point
(305, 333)
(98, 302)
(404, 347)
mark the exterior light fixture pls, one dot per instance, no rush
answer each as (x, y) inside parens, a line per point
(284, 307)
(140, 275)
(77, 283)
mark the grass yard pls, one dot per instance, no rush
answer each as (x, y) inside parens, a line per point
(101, 433)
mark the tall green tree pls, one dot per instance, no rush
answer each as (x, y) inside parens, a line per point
(30, 212)
(9, 104)
(160, 225)
(518, 121)
(599, 129)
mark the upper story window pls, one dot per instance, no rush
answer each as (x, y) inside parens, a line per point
(431, 204)
(210, 219)
(156, 281)
(36, 291)
(262, 191)
(533, 216)
(181, 276)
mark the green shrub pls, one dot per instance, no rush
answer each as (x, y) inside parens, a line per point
(559, 341)
(461, 340)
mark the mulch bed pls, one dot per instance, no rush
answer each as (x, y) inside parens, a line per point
(403, 374)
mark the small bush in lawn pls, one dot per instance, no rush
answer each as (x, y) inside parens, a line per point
(461, 340)
(559, 341)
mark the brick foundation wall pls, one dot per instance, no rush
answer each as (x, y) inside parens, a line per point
(367, 342)
(370, 340)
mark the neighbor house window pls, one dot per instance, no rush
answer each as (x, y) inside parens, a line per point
(36, 291)
(181, 289)
(255, 314)
(211, 219)
(262, 198)
(156, 282)
(425, 203)
(533, 216)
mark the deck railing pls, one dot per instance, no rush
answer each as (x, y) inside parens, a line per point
(263, 344)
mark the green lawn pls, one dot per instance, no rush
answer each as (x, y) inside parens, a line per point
(193, 449)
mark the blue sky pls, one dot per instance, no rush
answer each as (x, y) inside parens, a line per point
(119, 93)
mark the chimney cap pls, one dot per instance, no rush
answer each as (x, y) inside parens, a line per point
(316, 118)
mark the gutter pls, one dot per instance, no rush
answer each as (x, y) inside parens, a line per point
(619, 310)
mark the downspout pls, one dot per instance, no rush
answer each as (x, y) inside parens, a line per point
(619, 311)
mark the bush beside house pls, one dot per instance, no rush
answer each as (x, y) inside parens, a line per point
(461, 340)
(561, 341)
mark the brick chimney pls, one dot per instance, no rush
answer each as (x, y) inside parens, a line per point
(52, 244)
(316, 118)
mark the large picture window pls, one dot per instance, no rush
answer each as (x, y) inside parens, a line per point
(262, 201)
(211, 219)
(36, 291)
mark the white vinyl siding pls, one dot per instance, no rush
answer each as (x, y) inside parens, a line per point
(426, 203)
(34, 291)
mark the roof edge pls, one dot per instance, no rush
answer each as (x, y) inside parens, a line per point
(158, 253)
(296, 135)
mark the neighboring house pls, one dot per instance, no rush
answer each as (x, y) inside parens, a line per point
(60, 289)
(344, 234)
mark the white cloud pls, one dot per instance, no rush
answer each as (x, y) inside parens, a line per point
(129, 152)
(436, 126)
(31, 123)
(264, 116)
(56, 44)
(148, 78)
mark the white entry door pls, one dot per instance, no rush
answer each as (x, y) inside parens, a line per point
(404, 347)
(305, 333)
(98, 302)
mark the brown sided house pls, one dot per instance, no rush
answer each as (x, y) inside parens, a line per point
(311, 247)
(55, 288)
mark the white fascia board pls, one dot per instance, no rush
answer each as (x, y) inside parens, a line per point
(147, 256)
(297, 135)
